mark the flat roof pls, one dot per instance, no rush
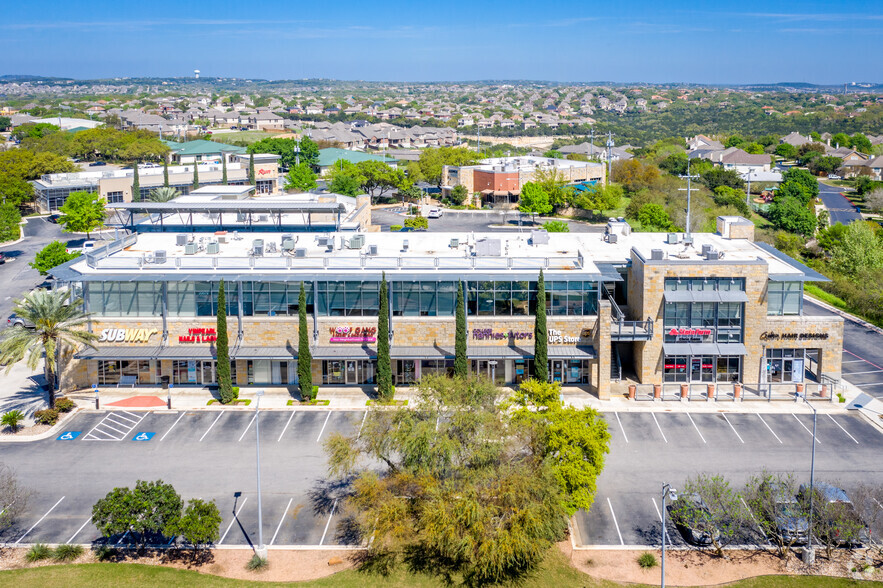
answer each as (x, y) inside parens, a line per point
(406, 256)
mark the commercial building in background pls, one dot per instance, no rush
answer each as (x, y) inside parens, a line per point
(115, 186)
(655, 308)
(499, 179)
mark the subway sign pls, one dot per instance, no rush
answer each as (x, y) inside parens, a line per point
(126, 335)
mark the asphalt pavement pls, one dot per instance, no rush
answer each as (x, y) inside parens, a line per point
(649, 449)
(478, 221)
(207, 454)
(839, 207)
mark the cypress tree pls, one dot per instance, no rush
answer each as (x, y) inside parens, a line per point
(225, 383)
(195, 175)
(165, 173)
(541, 338)
(461, 364)
(251, 179)
(223, 169)
(384, 367)
(136, 184)
(304, 358)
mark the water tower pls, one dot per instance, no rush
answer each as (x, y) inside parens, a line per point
(196, 73)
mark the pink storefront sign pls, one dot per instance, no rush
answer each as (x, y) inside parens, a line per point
(353, 339)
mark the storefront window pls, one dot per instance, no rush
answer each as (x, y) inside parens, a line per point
(348, 372)
(785, 365)
(728, 368)
(723, 319)
(405, 372)
(505, 298)
(444, 367)
(784, 298)
(675, 368)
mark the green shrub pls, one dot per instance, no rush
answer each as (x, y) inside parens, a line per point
(13, 419)
(395, 228)
(647, 560)
(48, 416)
(67, 552)
(37, 552)
(256, 563)
(64, 404)
(235, 390)
(556, 226)
(418, 222)
(105, 553)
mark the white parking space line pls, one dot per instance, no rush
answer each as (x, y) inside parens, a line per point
(697, 428)
(40, 521)
(734, 428)
(366, 416)
(659, 513)
(172, 427)
(120, 416)
(806, 428)
(613, 514)
(71, 540)
(328, 524)
(621, 428)
(281, 520)
(123, 538)
(768, 427)
(323, 427)
(248, 427)
(116, 422)
(844, 430)
(211, 425)
(854, 361)
(106, 426)
(751, 514)
(861, 373)
(285, 428)
(868, 385)
(660, 430)
(235, 518)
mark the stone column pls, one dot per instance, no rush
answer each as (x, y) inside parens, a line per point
(601, 342)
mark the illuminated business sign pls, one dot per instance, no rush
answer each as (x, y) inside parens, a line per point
(262, 172)
(126, 335)
(199, 335)
(492, 335)
(558, 338)
(693, 335)
(770, 336)
(348, 334)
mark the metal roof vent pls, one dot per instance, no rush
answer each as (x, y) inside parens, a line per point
(372, 249)
(300, 252)
(539, 237)
(656, 255)
(672, 239)
(159, 256)
(489, 247)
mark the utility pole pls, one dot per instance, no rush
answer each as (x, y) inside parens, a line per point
(609, 156)
(748, 191)
(592, 145)
(479, 138)
(689, 191)
(297, 151)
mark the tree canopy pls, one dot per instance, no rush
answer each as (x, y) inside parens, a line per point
(534, 199)
(82, 212)
(432, 161)
(286, 149)
(301, 178)
(53, 255)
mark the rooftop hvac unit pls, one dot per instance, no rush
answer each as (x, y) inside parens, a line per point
(688, 239)
(372, 249)
(405, 245)
(706, 248)
(236, 236)
(191, 249)
(612, 238)
(672, 239)
(713, 255)
(287, 244)
(489, 247)
(322, 241)
(180, 240)
(356, 242)
(539, 237)
(455, 243)
(287, 236)
(212, 248)
(656, 255)
(257, 247)
(300, 252)
(159, 256)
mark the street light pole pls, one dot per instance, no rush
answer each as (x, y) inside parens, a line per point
(810, 555)
(261, 550)
(667, 491)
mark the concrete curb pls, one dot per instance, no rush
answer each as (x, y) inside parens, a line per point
(844, 314)
(45, 434)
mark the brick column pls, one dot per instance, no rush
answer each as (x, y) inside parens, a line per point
(601, 342)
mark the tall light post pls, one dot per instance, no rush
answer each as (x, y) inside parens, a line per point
(667, 492)
(261, 550)
(809, 554)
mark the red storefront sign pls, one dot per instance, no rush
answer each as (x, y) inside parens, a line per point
(689, 334)
(199, 335)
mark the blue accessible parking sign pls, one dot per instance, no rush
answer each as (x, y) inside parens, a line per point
(143, 437)
(68, 436)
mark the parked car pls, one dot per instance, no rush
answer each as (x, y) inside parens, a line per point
(2, 257)
(53, 218)
(834, 177)
(849, 529)
(693, 520)
(411, 229)
(789, 516)
(86, 248)
(97, 163)
(16, 321)
(434, 213)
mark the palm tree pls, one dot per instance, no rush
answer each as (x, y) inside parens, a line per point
(58, 323)
(164, 194)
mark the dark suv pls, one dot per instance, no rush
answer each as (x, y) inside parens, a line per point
(835, 519)
(789, 515)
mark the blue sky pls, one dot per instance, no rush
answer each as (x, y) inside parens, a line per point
(565, 40)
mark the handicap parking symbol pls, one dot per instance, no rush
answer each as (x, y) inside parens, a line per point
(68, 436)
(143, 436)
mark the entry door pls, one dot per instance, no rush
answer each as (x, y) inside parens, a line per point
(279, 367)
(208, 372)
(557, 370)
(350, 376)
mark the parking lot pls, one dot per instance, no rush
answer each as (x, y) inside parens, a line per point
(209, 455)
(649, 449)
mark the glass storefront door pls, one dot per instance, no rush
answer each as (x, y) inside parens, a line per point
(350, 373)
(557, 370)
(346, 371)
(785, 365)
(702, 368)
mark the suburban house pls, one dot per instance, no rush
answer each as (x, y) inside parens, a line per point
(596, 152)
(328, 157)
(735, 159)
(795, 139)
(265, 121)
(703, 142)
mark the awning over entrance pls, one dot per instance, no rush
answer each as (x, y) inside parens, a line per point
(571, 352)
(185, 352)
(705, 296)
(499, 352)
(704, 348)
(417, 352)
(345, 352)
